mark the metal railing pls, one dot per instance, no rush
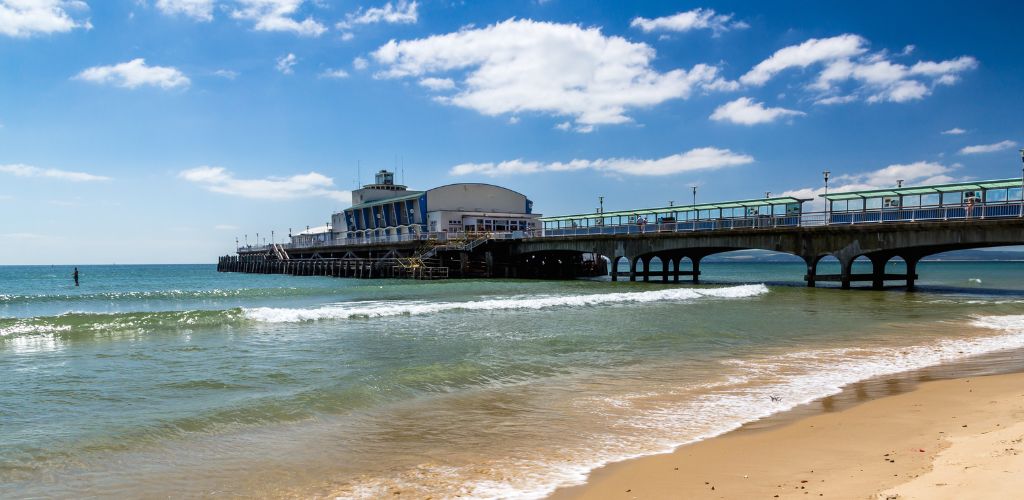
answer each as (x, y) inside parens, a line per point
(810, 219)
(371, 239)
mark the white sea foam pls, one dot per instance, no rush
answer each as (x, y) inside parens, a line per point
(376, 309)
(21, 329)
(743, 395)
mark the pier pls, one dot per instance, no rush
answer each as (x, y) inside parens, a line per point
(878, 225)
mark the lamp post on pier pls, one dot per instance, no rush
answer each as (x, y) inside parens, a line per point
(694, 195)
(826, 173)
(600, 204)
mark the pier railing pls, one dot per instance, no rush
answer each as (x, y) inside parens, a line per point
(809, 219)
(439, 237)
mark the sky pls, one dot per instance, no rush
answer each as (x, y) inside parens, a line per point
(159, 131)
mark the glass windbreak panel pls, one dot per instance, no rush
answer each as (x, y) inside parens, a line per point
(873, 203)
(972, 195)
(954, 198)
(929, 200)
(913, 200)
(778, 209)
(1013, 194)
(704, 214)
(891, 202)
(995, 195)
(793, 209)
(839, 206)
(856, 205)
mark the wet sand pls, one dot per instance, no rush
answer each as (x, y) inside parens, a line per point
(903, 437)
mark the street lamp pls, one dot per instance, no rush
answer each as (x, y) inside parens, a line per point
(694, 195)
(767, 194)
(899, 183)
(600, 203)
(826, 173)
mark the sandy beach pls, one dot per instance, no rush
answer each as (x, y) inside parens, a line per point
(959, 438)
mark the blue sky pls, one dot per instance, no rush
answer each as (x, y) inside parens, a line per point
(159, 130)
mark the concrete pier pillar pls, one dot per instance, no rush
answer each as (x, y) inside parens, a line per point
(665, 262)
(676, 263)
(878, 272)
(647, 268)
(696, 268)
(812, 270)
(846, 268)
(615, 268)
(632, 268)
(911, 270)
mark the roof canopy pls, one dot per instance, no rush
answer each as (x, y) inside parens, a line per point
(413, 195)
(784, 200)
(932, 189)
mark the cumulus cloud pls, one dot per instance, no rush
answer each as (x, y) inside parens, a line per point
(520, 66)
(286, 63)
(694, 159)
(846, 62)
(200, 10)
(360, 63)
(921, 172)
(226, 73)
(695, 19)
(334, 73)
(219, 180)
(988, 148)
(135, 73)
(746, 111)
(403, 12)
(24, 18)
(276, 15)
(437, 83)
(812, 51)
(954, 131)
(21, 170)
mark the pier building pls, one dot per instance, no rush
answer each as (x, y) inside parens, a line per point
(385, 210)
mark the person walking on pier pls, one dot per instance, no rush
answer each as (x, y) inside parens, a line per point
(75, 276)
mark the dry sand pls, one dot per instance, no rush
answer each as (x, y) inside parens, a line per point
(958, 438)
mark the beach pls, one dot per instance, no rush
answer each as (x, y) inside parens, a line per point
(957, 438)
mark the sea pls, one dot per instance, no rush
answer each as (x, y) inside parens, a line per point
(176, 380)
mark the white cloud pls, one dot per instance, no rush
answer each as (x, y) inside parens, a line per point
(275, 15)
(954, 131)
(334, 73)
(689, 20)
(360, 63)
(988, 148)
(219, 180)
(810, 52)
(286, 63)
(135, 73)
(917, 173)
(21, 170)
(873, 76)
(226, 73)
(24, 18)
(520, 66)
(746, 111)
(403, 12)
(200, 10)
(347, 36)
(437, 83)
(694, 159)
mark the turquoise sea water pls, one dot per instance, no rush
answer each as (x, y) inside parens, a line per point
(181, 381)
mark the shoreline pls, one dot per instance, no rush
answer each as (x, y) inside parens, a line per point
(902, 434)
